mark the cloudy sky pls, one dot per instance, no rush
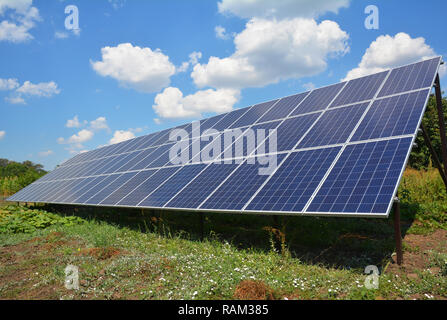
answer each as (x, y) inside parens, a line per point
(132, 67)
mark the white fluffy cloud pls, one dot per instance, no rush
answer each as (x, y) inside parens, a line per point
(76, 139)
(389, 52)
(74, 123)
(43, 89)
(99, 124)
(139, 68)
(268, 51)
(121, 135)
(221, 33)
(194, 58)
(280, 8)
(172, 104)
(2, 134)
(20, 18)
(8, 84)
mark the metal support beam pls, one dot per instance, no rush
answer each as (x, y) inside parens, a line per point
(397, 232)
(201, 225)
(442, 129)
(434, 155)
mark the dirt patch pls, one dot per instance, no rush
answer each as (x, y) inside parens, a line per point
(253, 290)
(417, 253)
(101, 253)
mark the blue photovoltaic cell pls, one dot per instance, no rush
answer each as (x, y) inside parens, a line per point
(73, 195)
(253, 114)
(107, 190)
(361, 89)
(199, 189)
(283, 108)
(148, 186)
(235, 192)
(294, 182)
(97, 187)
(416, 76)
(76, 186)
(364, 178)
(128, 187)
(292, 130)
(169, 188)
(398, 115)
(229, 119)
(209, 123)
(141, 155)
(245, 144)
(319, 99)
(61, 190)
(334, 127)
(153, 156)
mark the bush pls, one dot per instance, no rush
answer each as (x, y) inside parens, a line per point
(15, 219)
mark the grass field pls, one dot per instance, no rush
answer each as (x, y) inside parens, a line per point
(130, 254)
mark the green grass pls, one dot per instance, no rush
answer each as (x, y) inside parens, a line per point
(124, 254)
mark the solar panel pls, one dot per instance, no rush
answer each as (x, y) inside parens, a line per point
(338, 150)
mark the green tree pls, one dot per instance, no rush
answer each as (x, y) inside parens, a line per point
(421, 157)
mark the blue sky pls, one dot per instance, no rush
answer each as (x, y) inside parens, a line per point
(135, 66)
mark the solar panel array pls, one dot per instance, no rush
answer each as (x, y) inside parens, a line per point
(341, 150)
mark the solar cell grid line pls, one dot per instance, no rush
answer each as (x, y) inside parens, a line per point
(107, 190)
(148, 186)
(364, 179)
(153, 156)
(319, 99)
(349, 139)
(42, 194)
(75, 194)
(94, 166)
(31, 193)
(162, 160)
(165, 191)
(135, 143)
(239, 144)
(335, 126)
(63, 188)
(98, 187)
(164, 139)
(235, 191)
(210, 122)
(66, 172)
(107, 164)
(298, 142)
(127, 187)
(254, 114)
(410, 77)
(361, 89)
(230, 118)
(292, 130)
(141, 154)
(25, 192)
(149, 140)
(394, 116)
(80, 182)
(192, 195)
(284, 107)
(120, 161)
(127, 158)
(111, 151)
(293, 183)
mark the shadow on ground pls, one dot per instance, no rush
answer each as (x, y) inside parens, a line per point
(347, 243)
